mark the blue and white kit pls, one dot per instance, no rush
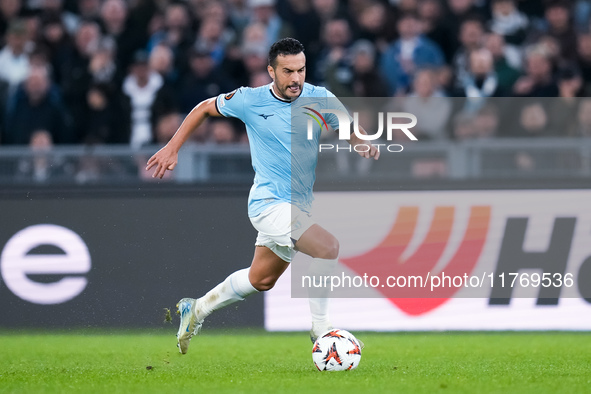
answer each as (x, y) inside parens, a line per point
(280, 176)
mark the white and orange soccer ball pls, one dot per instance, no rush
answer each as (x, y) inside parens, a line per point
(336, 350)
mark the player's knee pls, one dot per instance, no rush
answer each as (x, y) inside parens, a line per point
(265, 283)
(331, 250)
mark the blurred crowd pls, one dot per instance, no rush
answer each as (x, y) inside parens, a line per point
(127, 72)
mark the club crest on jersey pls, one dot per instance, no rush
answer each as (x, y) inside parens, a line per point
(230, 95)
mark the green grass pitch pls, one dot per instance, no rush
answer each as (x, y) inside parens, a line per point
(258, 362)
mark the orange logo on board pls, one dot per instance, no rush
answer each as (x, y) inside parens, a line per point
(385, 259)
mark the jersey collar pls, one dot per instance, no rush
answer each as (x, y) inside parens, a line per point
(277, 97)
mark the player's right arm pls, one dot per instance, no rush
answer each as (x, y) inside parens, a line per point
(167, 157)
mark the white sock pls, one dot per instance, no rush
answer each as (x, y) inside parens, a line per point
(235, 288)
(319, 305)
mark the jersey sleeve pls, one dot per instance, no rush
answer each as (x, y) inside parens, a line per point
(231, 105)
(335, 103)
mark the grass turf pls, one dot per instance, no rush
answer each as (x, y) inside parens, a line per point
(258, 362)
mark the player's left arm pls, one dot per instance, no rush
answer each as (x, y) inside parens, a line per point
(373, 151)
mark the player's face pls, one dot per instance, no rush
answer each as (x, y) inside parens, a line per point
(289, 74)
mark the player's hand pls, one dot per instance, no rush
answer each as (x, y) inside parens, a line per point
(364, 147)
(372, 152)
(165, 159)
(363, 151)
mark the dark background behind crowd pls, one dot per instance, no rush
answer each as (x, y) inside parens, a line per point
(127, 72)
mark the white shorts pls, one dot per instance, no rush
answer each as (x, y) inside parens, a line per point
(279, 227)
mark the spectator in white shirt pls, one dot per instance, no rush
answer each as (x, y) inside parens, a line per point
(14, 59)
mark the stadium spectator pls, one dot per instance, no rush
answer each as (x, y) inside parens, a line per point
(34, 106)
(432, 15)
(558, 24)
(162, 61)
(458, 12)
(58, 44)
(376, 23)
(127, 37)
(217, 10)
(538, 80)
(88, 9)
(238, 15)
(175, 33)
(213, 36)
(56, 8)
(149, 97)
(461, 9)
(104, 116)
(14, 59)
(508, 21)
(562, 112)
(367, 80)
(40, 167)
(332, 64)
(506, 61)
(570, 83)
(428, 103)
(264, 12)
(236, 33)
(582, 14)
(561, 27)
(407, 54)
(486, 122)
(327, 9)
(102, 68)
(480, 80)
(532, 121)
(552, 48)
(139, 15)
(254, 58)
(204, 80)
(402, 5)
(10, 10)
(86, 43)
(471, 38)
(300, 15)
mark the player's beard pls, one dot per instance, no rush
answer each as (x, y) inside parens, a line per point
(287, 92)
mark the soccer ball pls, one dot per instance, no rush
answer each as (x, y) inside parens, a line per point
(336, 350)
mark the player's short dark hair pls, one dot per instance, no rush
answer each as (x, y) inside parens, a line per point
(283, 47)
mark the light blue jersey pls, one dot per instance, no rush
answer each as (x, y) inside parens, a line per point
(268, 121)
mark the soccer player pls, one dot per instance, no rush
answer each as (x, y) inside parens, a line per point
(284, 226)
